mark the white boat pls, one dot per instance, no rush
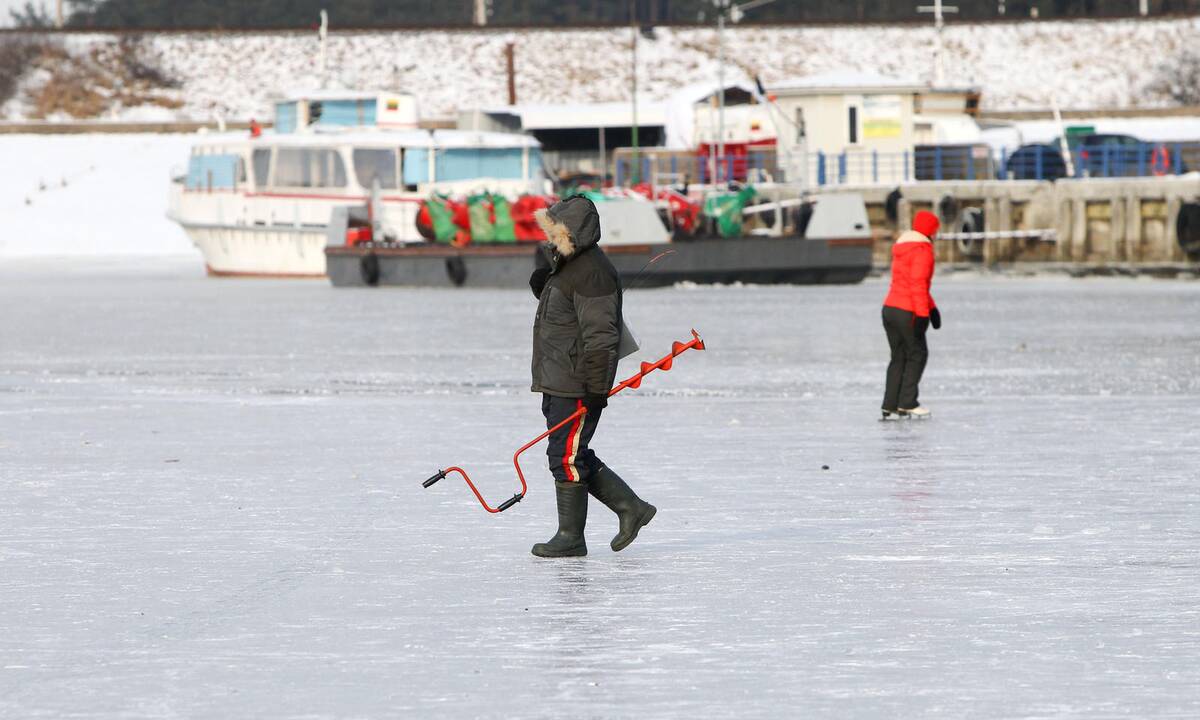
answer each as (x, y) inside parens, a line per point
(260, 206)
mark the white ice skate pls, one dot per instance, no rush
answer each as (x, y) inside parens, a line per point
(919, 413)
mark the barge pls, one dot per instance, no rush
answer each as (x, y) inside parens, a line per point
(827, 241)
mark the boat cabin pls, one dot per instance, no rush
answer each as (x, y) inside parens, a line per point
(352, 163)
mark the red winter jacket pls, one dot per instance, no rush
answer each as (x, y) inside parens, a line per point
(912, 271)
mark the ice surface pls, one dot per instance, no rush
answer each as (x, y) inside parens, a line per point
(212, 506)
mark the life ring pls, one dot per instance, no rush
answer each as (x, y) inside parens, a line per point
(1160, 161)
(970, 220)
(1187, 230)
(947, 209)
(456, 270)
(801, 216)
(891, 205)
(369, 269)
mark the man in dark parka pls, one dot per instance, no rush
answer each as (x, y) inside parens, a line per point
(576, 339)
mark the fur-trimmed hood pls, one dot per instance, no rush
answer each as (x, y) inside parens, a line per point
(570, 225)
(911, 236)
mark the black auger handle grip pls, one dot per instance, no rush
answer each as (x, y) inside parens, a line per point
(440, 474)
(510, 502)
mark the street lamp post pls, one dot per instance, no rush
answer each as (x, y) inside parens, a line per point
(633, 26)
(724, 8)
(735, 11)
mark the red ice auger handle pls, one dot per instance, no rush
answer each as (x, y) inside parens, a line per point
(635, 381)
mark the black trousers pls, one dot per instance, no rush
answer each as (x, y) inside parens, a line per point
(906, 336)
(571, 460)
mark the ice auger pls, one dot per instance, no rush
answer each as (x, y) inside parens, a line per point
(664, 363)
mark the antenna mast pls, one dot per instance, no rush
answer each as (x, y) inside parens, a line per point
(939, 22)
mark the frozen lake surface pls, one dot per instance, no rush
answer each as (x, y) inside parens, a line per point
(212, 506)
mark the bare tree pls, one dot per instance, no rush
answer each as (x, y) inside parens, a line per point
(31, 16)
(17, 54)
(1178, 79)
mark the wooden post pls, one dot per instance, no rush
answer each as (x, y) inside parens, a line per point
(511, 68)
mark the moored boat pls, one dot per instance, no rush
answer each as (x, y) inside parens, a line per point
(823, 239)
(261, 205)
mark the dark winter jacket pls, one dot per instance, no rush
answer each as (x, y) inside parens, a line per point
(577, 330)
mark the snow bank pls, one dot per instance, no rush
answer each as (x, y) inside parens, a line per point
(1081, 64)
(89, 194)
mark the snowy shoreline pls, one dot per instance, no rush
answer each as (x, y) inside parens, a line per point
(1079, 64)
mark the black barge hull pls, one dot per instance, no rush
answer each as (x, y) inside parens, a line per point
(749, 260)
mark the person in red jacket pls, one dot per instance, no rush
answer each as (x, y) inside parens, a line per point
(908, 312)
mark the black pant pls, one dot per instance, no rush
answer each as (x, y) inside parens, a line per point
(906, 336)
(571, 460)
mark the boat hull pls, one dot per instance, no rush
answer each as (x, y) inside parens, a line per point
(260, 251)
(748, 260)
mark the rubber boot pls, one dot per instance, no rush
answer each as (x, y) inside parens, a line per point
(572, 516)
(633, 512)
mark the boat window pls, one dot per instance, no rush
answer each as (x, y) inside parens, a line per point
(309, 167)
(416, 166)
(371, 164)
(470, 163)
(537, 165)
(213, 172)
(285, 117)
(262, 166)
(348, 112)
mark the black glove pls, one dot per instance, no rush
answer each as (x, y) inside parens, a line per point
(935, 318)
(595, 403)
(537, 281)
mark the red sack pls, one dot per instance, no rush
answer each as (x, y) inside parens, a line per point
(525, 227)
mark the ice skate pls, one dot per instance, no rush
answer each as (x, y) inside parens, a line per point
(572, 517)
(888, 414)
(917, 413)
(633, 512)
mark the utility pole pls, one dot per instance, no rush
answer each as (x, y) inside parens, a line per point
(481, 12)
(724, 8)
(58, 14)
(633, 26)
(510, 68)
(323, 34)
(735, 12)
(939, 22)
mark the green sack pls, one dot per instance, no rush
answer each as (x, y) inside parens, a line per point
(727, 208)
(442, 218)
(479, 212)
(505, 230)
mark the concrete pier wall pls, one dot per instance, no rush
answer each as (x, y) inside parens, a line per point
(1098, 221)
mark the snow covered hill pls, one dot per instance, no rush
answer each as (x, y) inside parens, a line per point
(1082, 64)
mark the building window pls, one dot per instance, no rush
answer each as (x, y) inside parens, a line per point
(853, 125)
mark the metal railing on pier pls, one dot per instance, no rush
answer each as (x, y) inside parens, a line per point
(931, 162)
